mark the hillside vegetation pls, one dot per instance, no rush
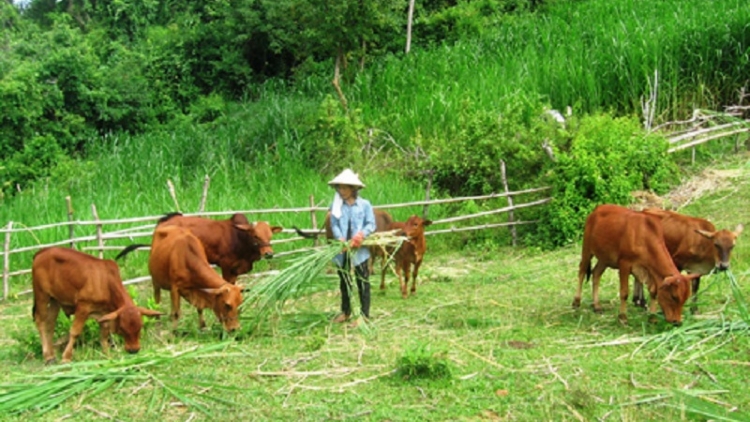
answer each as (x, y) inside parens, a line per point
(106, 104)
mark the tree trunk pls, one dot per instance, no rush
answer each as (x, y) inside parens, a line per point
(337, 78)
(408, 26)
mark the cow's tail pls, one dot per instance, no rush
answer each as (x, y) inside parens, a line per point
(307, 235)
(129, 249)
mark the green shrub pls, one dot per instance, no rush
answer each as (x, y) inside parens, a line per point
(466, 159)
(423, 362)
(608, 158)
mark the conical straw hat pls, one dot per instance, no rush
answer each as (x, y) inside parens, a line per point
(347, 177)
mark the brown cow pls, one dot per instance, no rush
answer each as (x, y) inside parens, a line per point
(84, 286)
(410, 254)
(234, 245)
(632, 242)
(178, 263)
(695, 246)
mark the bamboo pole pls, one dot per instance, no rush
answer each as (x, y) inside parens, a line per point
(206, 181)
(6, 263)
(510, 201)
(71, 227)
(172, 193)
(99, 239)
(481, 227)
(409, 19)
(706, 139)
(497, 211)
(313, 218)
(427, 195)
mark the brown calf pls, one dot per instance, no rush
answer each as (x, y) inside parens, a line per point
(410, 254)
(83, 286)
(178, 263)
(632, 242)
(695, 246)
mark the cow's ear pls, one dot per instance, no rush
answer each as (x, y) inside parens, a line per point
(706, 234)
(427, 222)
(244, 227)
(149, 312)
(276, 229)
(109, 317)
(214, 292)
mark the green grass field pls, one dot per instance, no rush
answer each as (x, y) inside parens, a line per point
(490, 335)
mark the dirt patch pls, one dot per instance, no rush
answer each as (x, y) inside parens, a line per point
(709, 181)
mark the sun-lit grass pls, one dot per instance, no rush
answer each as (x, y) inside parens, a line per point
(590, 55)
(496, 324)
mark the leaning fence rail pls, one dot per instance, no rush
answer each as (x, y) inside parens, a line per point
(146, 230)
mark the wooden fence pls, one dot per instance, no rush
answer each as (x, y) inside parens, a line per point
(100, 236)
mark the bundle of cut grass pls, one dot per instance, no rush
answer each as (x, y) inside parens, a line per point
(695, 339)
(265, 297)
(53, 386)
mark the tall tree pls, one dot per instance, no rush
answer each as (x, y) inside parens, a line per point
(336, 29)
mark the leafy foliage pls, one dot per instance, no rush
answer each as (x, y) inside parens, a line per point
(421, 361)
(608, 158)
(466, 159)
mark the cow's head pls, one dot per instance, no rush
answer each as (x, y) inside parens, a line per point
(226, 303)
(259, 235)
(672, 295)
(127, 323)
(724, 241)
(414, 226)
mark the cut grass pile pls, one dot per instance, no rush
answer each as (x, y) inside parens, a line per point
(55, 385)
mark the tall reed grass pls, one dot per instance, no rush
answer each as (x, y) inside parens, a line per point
(593, 55)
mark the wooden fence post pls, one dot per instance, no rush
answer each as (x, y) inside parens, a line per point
(99, 239)
(510, 201)
(313, 218)
(71, 229)
(6, 262)
(170, 186)
(206, 181)
(427, 194)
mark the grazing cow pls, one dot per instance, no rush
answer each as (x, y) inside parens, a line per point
(178, 263)
(234, 245)
(632, 242)
(84, 286)
(410, 254)
(695, 246)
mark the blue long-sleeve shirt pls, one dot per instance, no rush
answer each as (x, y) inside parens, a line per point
(354, 218)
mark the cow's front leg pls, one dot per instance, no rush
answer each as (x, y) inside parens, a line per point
(79, 319)
(105, 330)
(417, 264)
(201, 321)
(402, 286)
(652, 310)
(596, 276)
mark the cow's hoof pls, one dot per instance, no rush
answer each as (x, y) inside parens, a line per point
(652, 319)
(576, 303)
(50, 361)
(598, 309)
(623, 319)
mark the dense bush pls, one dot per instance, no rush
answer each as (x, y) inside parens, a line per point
(608, 158)
(466, 159)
